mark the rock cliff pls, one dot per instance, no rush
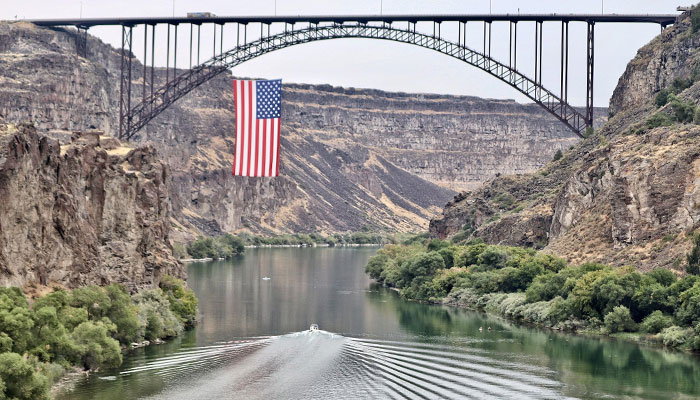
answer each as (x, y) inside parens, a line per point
(86, 212)
(629, 194)
(351, 159)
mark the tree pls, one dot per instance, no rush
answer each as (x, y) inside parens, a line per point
(124, 314)
(182, 300)
(154, 311)
(376, 265)
(19, 381)
(93, 298)
(94, 346)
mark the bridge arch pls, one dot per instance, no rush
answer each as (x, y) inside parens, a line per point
(138, 116)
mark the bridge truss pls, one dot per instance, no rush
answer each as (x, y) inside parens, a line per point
(402, 29)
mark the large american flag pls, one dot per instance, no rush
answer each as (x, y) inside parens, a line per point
(258, 110)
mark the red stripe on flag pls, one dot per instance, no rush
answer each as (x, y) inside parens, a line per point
(235, 107)
(277, 155)
(242, 134)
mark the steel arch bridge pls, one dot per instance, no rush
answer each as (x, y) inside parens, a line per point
(156, 100)
(163, 97)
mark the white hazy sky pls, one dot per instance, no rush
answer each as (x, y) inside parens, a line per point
(386, 65)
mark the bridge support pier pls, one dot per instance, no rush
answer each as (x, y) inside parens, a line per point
(125, 83)
(590, 64)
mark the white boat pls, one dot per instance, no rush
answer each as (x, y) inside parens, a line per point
(313, 327)
(266, 278)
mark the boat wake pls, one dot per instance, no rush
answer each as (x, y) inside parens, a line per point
(322, 365)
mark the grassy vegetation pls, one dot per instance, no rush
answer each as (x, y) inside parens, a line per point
(537, 288)
(81, 328)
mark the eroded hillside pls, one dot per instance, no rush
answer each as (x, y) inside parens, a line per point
(629, 194)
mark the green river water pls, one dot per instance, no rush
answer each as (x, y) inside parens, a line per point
(253, 343)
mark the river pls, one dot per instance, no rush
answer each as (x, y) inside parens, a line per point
(252, 343)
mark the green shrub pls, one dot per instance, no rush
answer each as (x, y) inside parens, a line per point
(448, 256)
(19, 380)
(94, 346)
(182, 300)
(49, 338)
(518, 279)
(656, 322)
(493, 257)
(658, 119)
(689, 310)
(694, 342)
(16, 323)
(558, 155)
(202, 248)
(460, 237)
(619, 320)
(674, 336)
(124, 314)
(93, 298)
(485, 282)
(684, 112)
(505, 200)
(155, 314)
(469, 255)
(437, 244)
(663, 276)
(376, 265)
(662, 98)
(651, 296)
(444, 281)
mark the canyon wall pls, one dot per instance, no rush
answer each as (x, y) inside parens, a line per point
(90, 211)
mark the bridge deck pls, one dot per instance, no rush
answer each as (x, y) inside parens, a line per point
(662, 19)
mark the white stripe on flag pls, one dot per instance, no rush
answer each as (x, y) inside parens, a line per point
(266, 164)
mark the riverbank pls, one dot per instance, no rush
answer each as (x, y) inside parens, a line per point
(68, 333)
(654, 340)
(275, 246)
(227, 246)
(525, 286)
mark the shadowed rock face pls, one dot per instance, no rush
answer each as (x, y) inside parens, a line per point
(626, 195)
(89, 212)
(351, 159)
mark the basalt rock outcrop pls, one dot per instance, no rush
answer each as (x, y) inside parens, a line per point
(629, 194)
(351, 159)
(89, 211)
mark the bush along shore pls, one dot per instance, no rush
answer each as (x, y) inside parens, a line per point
(532, 287)
(82, 329)
(228, 246)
